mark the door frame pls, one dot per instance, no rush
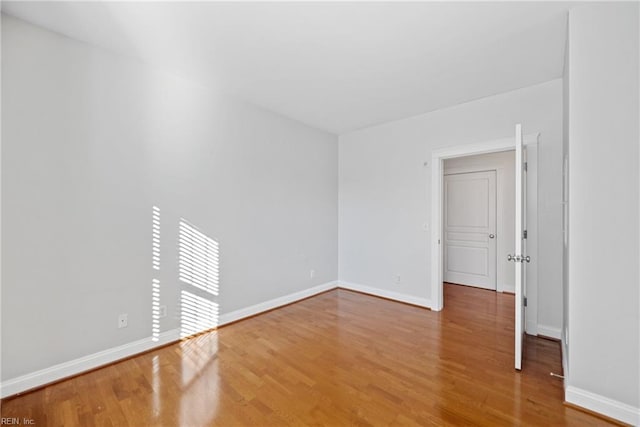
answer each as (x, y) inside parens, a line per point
(437, 170)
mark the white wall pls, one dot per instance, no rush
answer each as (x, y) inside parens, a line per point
(604, 275)
(385, 190)
(91, 141)
(504, 164)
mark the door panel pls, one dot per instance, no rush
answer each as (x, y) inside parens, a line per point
(467, 260)
(469, 221)
(520, 255)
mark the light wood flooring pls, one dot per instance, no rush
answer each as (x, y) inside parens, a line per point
(339, 358)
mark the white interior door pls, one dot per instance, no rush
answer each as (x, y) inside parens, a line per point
(519, 257)
(470, 228)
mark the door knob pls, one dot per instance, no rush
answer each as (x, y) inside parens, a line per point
(491, 236)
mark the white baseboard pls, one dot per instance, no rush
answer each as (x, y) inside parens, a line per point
(549, 331)
(83, 364)
(531, 328)
(105, 357)
(508, 288)
(274, 303)
(602, 405)
(396, 296)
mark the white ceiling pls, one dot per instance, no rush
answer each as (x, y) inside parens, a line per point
(334, 66)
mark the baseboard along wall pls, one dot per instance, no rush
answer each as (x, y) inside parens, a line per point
(83, 364)
(383, 293)
(602, 405)
(575, 396)
(549, 332)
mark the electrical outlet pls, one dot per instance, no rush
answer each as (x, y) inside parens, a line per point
(397, 278)
(312, 274)
(123, 320)
(162, 311)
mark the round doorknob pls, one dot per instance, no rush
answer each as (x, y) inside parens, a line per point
(491, 236)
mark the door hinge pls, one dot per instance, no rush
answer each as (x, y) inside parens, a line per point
(525, 301)
(524, 234)
(526, 166)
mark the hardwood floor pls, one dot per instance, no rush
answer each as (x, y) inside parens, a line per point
(339, 358)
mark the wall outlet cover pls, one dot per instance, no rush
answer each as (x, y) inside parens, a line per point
(123, 320)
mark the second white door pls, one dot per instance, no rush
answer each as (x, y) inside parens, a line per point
(470, 229)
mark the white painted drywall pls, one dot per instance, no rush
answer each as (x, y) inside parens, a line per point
(603, 309)
(91, 141)
(504, 164)
(385, 190)
(337, 65)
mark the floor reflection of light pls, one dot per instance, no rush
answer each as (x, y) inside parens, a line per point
(200, 380)
(156, 385)
(198, 270)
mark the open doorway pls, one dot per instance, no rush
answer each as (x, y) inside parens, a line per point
(437, 202)
(525, 230)
(478, 220)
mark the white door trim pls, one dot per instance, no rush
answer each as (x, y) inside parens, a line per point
(437, 167)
